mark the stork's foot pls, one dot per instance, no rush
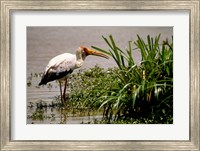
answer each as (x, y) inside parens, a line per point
(63, 100)
(64, 97)
(63, 94)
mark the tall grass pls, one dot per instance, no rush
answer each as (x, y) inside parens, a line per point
(144, 89)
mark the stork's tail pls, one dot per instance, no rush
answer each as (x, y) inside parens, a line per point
(40, 83)
(43, 80)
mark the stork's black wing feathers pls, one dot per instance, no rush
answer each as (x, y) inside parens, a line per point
(53, 75)
(59, 67)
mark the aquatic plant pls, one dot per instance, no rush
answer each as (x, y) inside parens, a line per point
(86, 88)
(144, 89)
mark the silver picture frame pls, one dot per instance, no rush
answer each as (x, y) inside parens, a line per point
(7, 6)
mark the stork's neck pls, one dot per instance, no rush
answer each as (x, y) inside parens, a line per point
(79, 59)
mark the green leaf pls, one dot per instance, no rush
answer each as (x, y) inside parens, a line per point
(99, 49)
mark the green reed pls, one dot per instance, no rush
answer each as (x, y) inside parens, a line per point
(144, 89)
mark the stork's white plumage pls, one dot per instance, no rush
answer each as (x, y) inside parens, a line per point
(60, 66)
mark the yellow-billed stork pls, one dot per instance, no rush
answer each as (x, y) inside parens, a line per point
(62, 65)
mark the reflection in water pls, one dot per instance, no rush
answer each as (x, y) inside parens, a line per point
(44, 106)
(57, 115)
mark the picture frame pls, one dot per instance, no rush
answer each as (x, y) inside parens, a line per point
(5, 73)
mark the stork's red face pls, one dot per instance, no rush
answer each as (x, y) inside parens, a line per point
(92, 52)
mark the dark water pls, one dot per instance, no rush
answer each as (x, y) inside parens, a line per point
(43, 43)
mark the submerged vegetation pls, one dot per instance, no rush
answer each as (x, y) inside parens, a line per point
(132, 92)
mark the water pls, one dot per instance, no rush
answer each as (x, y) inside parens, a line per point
(52, 115)
(43, 43)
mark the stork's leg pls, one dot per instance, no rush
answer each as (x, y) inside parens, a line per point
(61, 91)
(65, 88)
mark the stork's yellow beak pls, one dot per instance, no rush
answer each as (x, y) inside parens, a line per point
(97, 53)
